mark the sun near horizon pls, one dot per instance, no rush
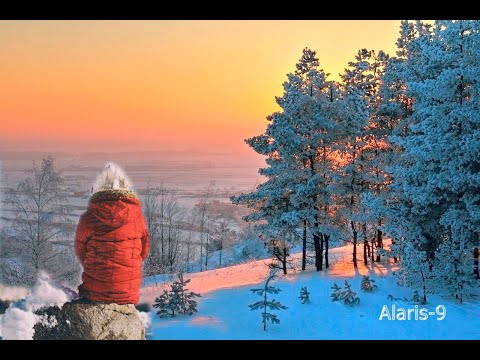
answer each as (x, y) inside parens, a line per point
(118, 85)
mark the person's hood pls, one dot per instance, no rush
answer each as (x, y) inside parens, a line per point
(112, 207)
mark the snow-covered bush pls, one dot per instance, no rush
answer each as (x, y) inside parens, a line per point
(249, 248)
(368, 285)
(417, 299)
(347, 295)
(177, 300)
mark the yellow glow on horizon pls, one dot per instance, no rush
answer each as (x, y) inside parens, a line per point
(161, 83)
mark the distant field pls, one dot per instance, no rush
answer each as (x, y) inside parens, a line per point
(184, 170)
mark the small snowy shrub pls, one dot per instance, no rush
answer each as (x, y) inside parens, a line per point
(336, 293)
(177, 300)
(417, 299)
(348, 296)
(304, 295)
(367, 284)
(265, 304)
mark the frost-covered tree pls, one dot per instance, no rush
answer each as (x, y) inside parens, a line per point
(361, 146)
(297, 143)
(178, 300)
(353, 112)
(41, 226)
(368, 71)
(222, 235)
(367, 284)
(394, 109)
(267, 305)
(270, 203)
(163, 215)
(436, 183)
(204, 219)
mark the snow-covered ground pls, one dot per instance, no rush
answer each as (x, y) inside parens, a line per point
(223, 311)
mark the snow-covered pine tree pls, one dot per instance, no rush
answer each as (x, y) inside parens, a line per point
(307, 109)
(353, 112)
(178, 300)
(436, 178)
(349, 296)
(369, 69)
(415, 267)
(393, 111)
(304, 295)
(336, 294)
(297, 143)
(367, 284)
(270, 203)
(162, 303)
(267, 305)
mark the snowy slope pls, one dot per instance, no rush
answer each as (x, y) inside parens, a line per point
(223, 311)
(254, 272)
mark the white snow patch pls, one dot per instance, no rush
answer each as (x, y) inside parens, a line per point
(17, 323)
(48, 321)
(44, 294)
(145, 318)
(12, 293)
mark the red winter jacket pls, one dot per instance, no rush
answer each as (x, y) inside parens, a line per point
(111, 241)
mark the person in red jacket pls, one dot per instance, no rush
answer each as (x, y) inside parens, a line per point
(111, 242)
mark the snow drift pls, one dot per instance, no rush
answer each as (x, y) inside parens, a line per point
(18, 321)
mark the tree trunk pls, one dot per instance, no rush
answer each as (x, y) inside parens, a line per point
(201, 250)
(379, 241)
(327, 237)
(206, 254)
(372, 250)
(321, 251)
(318, 255)
(475, 263)
(220, 253)
(284, 263)
(424, 288)
(395, 260)
(365, 255)
(304, 246)
(355, 235)
(188, 251)
(264, 310)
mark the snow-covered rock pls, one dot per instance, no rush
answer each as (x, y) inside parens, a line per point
(89, 321)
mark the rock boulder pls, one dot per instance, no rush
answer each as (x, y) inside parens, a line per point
(89, 321)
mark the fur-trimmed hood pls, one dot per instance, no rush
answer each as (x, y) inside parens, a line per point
(113, 194)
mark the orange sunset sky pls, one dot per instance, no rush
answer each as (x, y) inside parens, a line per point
(118, 85)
